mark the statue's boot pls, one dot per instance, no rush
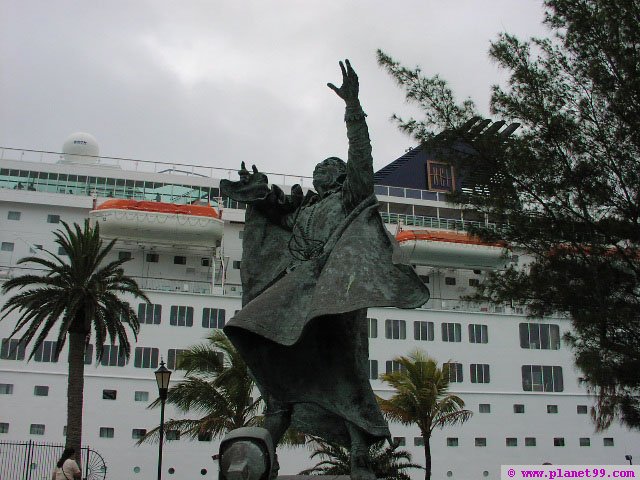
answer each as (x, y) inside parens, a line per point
(277, 419)
(360, 464)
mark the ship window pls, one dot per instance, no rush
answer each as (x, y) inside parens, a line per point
(53, 218)
(138, 433)
(174, 359)
(7, 246)
(13, 215)
(479, 373)
(12, 349)
(4, 427)
(34, 249)
(424, 278)
(152, 257)
(373, 369)
(181, 316)
(478, 333)
(455, 371)
(109, 394)
(607, 442)
(423, 331)
(511, 442)
(173, 435)
(400, 441)
(149, 313)
(581, 409)
(451, 332)
(62, 251)
(236, 264)
(452, 441)
(542, 378)
(146, 357)
(418, 442)
(518, 408)
(107, 432)
(372, 327)
(558, 442)
(41, 390)
(88, 354)
(396, 329)
(449, 280)
(585, 442)
(484, 408)
(36, 429)
(545, 336)
(6, 388)
(241, 234)
(124, 256)
(213, 317)
(529, 441)
(474, 282)
(112, 356)
(205, 261)
(205, 437)
(393, 366)
(552, 408)
(46, 352)
(481, 442)
(477, 272)
(179, 260)
(140, 396)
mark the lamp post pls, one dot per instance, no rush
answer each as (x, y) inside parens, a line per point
(163, 374)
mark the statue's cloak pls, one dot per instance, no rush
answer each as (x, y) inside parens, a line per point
(302, 329)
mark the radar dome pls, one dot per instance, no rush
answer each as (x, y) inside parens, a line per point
(80, 147)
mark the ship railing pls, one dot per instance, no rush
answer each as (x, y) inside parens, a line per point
(454, 304)
(433, 222)
(160, 284)
(22, 179)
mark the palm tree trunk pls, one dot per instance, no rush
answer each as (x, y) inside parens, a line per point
(427, 456)
(75, 389)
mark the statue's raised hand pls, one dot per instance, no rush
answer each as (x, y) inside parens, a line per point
(251, 177)
(349, 89)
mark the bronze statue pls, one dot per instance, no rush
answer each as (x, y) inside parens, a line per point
(311, 266)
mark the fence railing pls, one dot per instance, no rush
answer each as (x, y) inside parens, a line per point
(35, 461)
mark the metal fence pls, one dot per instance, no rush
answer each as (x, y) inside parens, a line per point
(35, 461)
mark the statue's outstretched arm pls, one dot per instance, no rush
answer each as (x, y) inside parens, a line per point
(359, 182)
(253, 189)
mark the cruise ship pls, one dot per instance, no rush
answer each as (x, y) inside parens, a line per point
(184, 243)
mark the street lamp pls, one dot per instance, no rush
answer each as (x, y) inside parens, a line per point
(163, 374)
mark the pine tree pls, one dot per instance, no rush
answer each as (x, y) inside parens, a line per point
(566, 186)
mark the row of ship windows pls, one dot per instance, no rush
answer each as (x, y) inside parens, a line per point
(535, 378)
(138, 433)
(143, 396)
(112, 355)
(544, 336)
(509, 441)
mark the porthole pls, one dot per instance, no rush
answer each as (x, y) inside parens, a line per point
(136, 469)
(171, 470)
(449, 473)
(203, 471)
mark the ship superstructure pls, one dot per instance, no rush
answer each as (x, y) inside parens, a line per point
(184, 243)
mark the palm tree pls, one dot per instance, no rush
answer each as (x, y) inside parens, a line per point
(421, 397)
(386, 462)
(77, 294)
(217, 385)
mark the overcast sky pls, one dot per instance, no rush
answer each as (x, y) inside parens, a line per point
(219, 81)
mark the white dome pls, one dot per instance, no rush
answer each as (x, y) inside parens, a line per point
(80, 147)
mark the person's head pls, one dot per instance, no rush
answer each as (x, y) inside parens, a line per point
(69, 452)
(329, 174)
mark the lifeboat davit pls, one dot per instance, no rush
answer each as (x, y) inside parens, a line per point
(160, 222)
(451, 250)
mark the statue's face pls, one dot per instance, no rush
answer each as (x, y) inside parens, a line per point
(326, 176)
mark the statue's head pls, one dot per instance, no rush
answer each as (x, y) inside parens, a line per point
(329, 174)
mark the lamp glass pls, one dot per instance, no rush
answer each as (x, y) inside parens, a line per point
(163, 374)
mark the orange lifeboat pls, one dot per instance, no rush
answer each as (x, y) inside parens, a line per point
(199, 225)
(445, 249)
